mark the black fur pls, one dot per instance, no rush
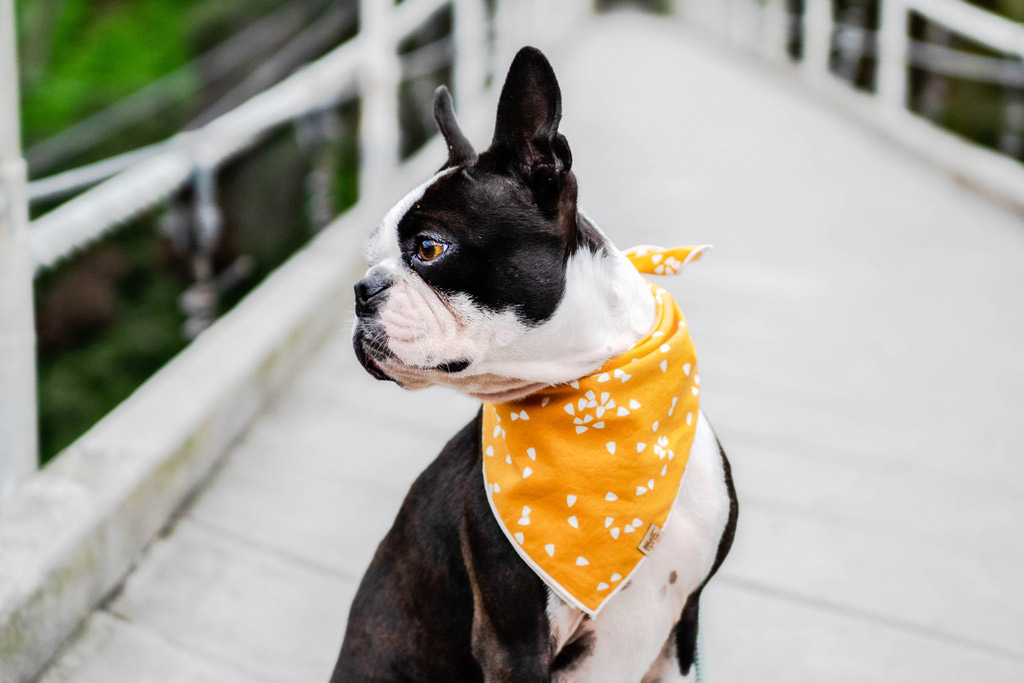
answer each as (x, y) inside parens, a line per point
(686, 629)
(460, 149)
(446, 596)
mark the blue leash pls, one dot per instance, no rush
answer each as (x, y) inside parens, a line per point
(698, 658)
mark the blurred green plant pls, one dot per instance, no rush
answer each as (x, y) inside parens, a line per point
(79, 57)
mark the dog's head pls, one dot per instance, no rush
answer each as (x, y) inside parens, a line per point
(486, 278)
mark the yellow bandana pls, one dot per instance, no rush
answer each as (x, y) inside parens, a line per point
(582, 476)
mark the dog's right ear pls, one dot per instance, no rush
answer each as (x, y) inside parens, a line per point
(460, 150)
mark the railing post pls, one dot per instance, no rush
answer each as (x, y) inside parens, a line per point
(18, 425)
(773, 30)
(380, 74)
(199, 302)
(1011, 140)
(817, 38)
(470, 34)
(318, 135)
(893, 45)
(524, 22)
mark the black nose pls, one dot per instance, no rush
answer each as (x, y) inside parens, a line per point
(369, 293)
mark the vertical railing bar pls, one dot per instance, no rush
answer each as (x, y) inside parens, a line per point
(18, 422)
(199, 302)
(893, 48)
(379, 75)
(772, 30)
(470, 61)
(817, 38)
(318, 134)
(1011, 138)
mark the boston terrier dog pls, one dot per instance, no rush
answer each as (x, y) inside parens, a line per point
(489, 279)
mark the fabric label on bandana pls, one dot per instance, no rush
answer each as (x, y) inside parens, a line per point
(582, 476)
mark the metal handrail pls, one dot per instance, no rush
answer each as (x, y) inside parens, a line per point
(993, 31)
(242, 48)
(424, 60)
(317, 86)
(770, 30)
(87, 217)
(367, 66)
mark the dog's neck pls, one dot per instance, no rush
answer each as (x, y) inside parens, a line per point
(606, 308)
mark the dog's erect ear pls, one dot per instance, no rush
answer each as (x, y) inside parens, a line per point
(526, 129)
(460, 150)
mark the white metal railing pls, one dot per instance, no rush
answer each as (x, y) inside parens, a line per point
(366, 66)
(17, 335)
(769, 29)
(248, 45)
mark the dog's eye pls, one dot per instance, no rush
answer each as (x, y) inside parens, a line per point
(430, 249)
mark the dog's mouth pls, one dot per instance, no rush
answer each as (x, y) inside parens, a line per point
(372, 352)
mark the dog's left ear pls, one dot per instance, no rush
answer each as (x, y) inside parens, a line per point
(526, 130)
(460, 150)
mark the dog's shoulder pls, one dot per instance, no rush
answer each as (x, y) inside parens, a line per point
(416, 587)
(443, 556)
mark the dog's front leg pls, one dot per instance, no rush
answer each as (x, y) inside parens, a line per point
(510, 634)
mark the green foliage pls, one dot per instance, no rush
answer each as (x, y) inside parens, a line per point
(79, 57)
(1012, 9)
(78, 385)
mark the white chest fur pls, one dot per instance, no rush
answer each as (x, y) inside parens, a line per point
(628, 636)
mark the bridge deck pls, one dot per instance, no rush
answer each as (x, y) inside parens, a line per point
(859, 329)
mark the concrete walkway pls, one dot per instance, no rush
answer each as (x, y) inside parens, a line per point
(860, 333)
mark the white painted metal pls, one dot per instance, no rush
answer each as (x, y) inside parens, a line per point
(975, 23)
(78, 222)
(993, 173)
(18, 443)
(773, 30)
(471, 52)
(817, 42)
(379, 75)
(76, 179)
(893, 49)
(84, 219)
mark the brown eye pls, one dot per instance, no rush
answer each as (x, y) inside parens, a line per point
(430, 250)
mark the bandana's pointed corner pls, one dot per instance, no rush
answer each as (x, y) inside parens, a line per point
(654, 260)
(698, 253)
